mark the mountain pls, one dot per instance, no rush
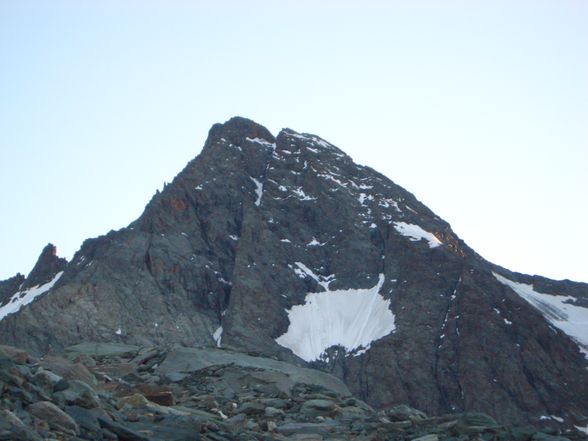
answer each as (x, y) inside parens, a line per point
(284, 247)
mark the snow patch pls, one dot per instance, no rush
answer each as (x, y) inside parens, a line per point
(118, 331)
(571, 319)
(217, 336)
(263, 142)
(387, 203)
(332, 178)
(315, 243)
(314, 139)
(352, 318)
(416, 233)
(552, 417)
(582, 429)
(303, 271)
(363, 197)
(258, 190)
(22, 298)
(302, 196)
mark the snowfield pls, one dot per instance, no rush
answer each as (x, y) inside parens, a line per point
(352, 318)
(571, 319)
(22, 298)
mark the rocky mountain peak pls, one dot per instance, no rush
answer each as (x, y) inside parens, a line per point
(285, 247)
(237, 130)
(47, 266)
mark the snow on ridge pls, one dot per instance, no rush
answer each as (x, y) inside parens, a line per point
(571, 319)
(416, 233)
(22, 298)
(262, 141)
(312, 138)
(352, 318)
(258, 190)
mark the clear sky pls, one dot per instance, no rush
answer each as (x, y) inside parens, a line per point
(480, 108)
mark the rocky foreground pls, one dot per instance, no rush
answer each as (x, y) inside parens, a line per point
(102, 391)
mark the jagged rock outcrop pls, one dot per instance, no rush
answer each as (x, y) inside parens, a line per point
(47, 266)
(259, 233)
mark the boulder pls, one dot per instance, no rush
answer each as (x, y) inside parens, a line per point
(80, 394)
(46, 380)
(54, 416)
(404, 412)
(12, 428)
(19, 356)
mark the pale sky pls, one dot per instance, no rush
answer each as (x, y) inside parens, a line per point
(479, 108)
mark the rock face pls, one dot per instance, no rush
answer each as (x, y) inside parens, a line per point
(9, 287)
(260, 233)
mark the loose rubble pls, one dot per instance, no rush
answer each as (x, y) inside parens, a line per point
(101, 391)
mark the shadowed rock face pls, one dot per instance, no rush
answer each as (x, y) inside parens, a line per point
(223, 246)
(9, 286)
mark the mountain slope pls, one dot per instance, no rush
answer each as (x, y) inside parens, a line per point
(260, 234)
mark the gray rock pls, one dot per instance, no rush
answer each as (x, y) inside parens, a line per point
(17, 355)
(476, 419)
(80, 394)
(68, 370)
(431, 437)
(12, 428)
(54, 416)
(121, 431)
(46, 380)
(86, 419)
(237, 423)
(251, 408)
(540, 436)
(351, 413)
(322, 429)
(272, 412)
(404, 412)
(181, 361)
(99, 349)
(314, 408)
